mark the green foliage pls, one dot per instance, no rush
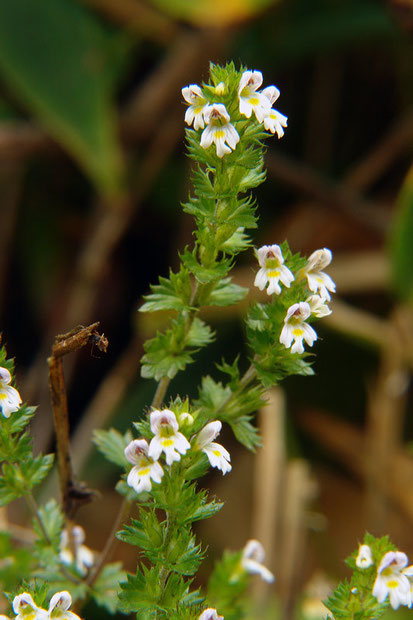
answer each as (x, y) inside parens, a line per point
(16, 563)
(20, 471)
(173, 293)
(227, 585)
(55, 55)
(107, 586)
(354, 598)
(112, 445)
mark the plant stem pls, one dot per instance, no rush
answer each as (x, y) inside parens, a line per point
(111, 542)
(160, 392)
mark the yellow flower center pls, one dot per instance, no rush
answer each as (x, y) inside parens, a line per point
(220, 134)
(297, 331)
(144, 471)
(167, 442)
(393, 584)
(273, 273)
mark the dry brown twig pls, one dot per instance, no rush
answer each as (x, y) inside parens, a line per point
(73, 494)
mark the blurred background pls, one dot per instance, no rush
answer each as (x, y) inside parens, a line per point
(92, 173)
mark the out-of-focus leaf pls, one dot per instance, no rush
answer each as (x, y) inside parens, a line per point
(401, 242)
(213, 12)
(55, 57)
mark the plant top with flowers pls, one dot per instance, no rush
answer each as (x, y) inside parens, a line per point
(174, 441)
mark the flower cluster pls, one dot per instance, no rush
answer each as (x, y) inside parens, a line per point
(25, 608)
(10, 400)
(167, 439)
(206, 113)
(273, 272)
(393, 578)
(252, 559)
(75, 552)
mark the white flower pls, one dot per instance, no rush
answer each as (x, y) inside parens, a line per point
(210, 614)
(217, 455)
(392, 579)
(59, 605)
(167, 438)
(317, 279)
(219, 130)
(145, 468)
(26, 609)
(250, 99)
(318, 306)
(10, 400)
(195, 113)
(274, 121)
(83, 556)
(364, 557)
(253, 555)
(272, 270)
(296, 329)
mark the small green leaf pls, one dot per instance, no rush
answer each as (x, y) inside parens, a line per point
(226, 293)
(112, 445)
(106, 587)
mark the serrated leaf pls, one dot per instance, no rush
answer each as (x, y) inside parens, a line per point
(226, 293)
(52, 520)
(107, 586)
(170, 294)
(205, 275)
(112, 445)
(246, 433)
(54, 56)
(200, 334)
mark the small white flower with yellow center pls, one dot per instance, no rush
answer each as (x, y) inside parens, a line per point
(83, 556)
(274, 121)
(250, 99)
(145, 468)
(217, 455)
(392, 579)
(272, 270)
(59, 606)
(167, 438)
(296, 329)
(253, 556)
(195, 113)
(10, 400)
(26, 609)
(219, 130)
(318, 306)
(317, 279)
(364, 557)
(210, 614)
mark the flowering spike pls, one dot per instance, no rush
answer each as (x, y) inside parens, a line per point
(253, 555)
(272, 270)
(59, 606)
(364, 557)
(167, 438)
(210, 614)
(10, 400)
(250, 99)
(144, 467)
(219, 130)
(316, 278)
(296, 329)
(26, 609)
(195, 113)
(392, 580)
(217, 455)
